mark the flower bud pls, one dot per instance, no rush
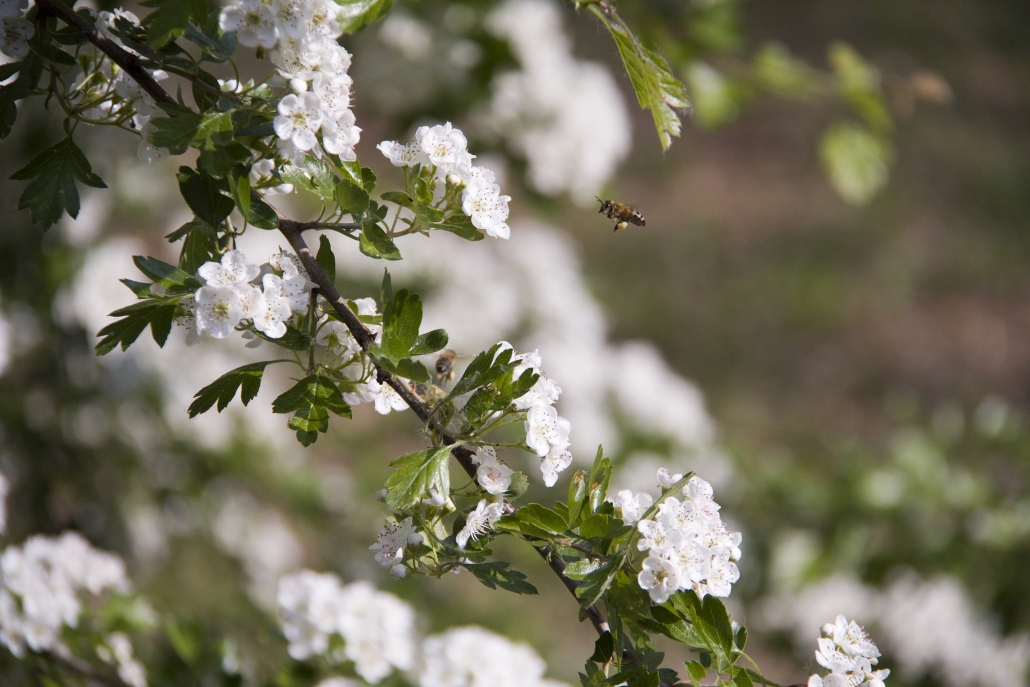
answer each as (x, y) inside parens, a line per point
(298, 86)
(381, 496)
(399, 571)
(453, 179)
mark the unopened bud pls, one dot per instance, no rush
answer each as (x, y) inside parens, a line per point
(298, 86)
(399, 571)
(381, 496)
(453, 179)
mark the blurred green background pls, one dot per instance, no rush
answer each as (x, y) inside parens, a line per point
(867, 366)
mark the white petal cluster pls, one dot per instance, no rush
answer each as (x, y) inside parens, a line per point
(566, 116)
(547, 433)
(391, 542)
(41, 584)
(445, 149)
(302, 34)
(230, 296)
(377, 628)
(689, 547)
(15, 29)
(474, 657)
(848, 653)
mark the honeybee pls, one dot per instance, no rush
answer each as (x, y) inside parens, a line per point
(621, 214)
(445, 365)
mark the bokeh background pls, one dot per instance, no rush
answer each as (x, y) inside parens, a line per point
(838, 341)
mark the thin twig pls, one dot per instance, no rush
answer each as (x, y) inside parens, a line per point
(291, 230)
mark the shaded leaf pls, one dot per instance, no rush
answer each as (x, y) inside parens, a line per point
(245, 379)
(52, 191)
(208, 198)
(430, 342)
(325, 258)
(416, 474)
(495, 574)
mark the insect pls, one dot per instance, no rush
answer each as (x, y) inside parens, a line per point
(621, 214)
(445, 365)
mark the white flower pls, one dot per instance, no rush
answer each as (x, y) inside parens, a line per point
(660, 577)
(479, 521)
(292, 287)
(493, 475)
(339, 135)
(333, 91)
(298, 120)
(218, 310)
(291, 17)
(545, 430)
(336, 337)
(271, 318)
(666, 480)
(133, 94)
(653, 537)
(384, 396)
(446, 147)
(545, 392)
(233, 269)
(253, 22)
(632, 506)
(555, 462)
(401, 155)
(14, 39)
(391, 541)
(119, 652)
(147, 151)
(261, 171)
(851, 638)
(482, 201)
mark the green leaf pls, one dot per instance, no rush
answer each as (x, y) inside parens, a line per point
(417, 473)
(325, 258)
(52, 191)
(742, 679)
(715, 614)
(577, 570)
(296, 176)
(856, 160)
(185, 638)
(696, 671)
(375, 243)
(293, 339)
(542, 518)
(168, 276)
(205, 131)
(519, 484)
(603, 527)
(603, 648)
(430, 342)
(600, 476)
(198, 248)
(323, 178)
(357, 14)
(495, 574)
(656, 88)
(577, 496)
(170, 19)
(157, 313)
(406, 367)
(310, 401)
(398, 198)
(246, 379)
(402, 316)
(208, 197)
(254, 210)
(350, 197)
(459, 225)
(596, 583)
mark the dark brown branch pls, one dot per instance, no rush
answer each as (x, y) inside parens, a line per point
(291, 230)
(130, 63)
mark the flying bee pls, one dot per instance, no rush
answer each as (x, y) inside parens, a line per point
(622, 215)
(445, 365)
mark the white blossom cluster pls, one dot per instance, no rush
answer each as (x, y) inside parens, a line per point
(303, 34)
(849, 654)
(547, 433)
(229, 296)
(445, 149)
(377, 628)
(928, 626)
(688, 545)
(474, 657)
(41, 583)
(566, 116)
(117, 650)
(15, 29)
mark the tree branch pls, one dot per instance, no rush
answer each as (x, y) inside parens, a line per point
(130, 63)
(291, 230)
